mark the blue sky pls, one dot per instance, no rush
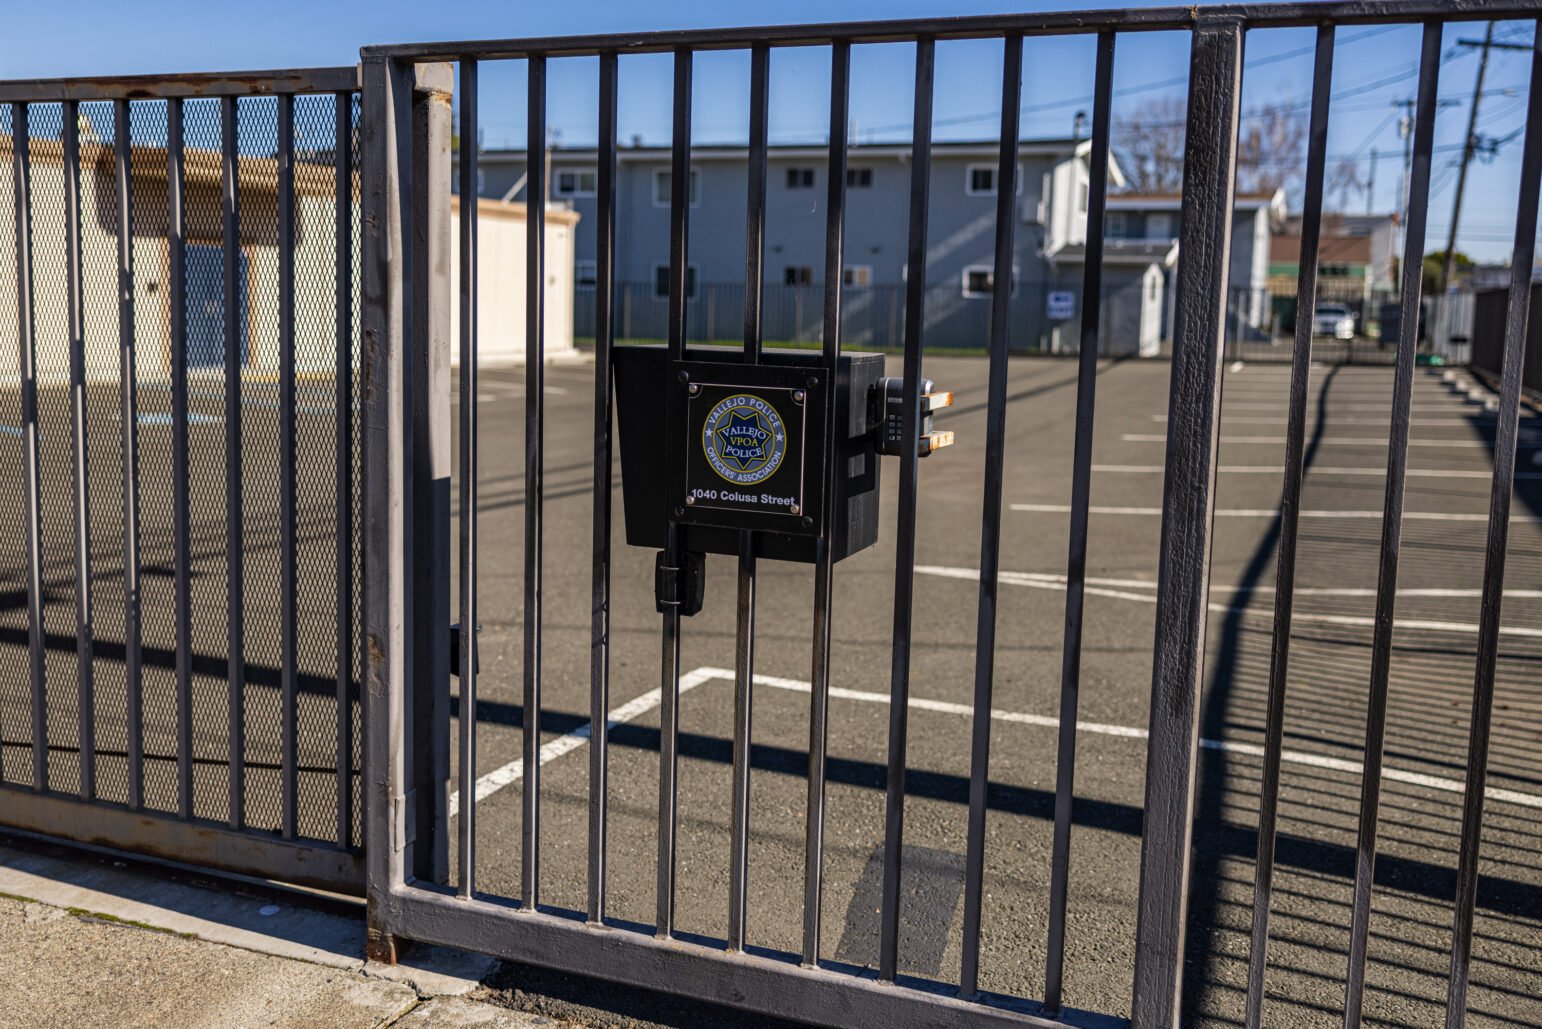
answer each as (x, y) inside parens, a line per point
(1375, 67)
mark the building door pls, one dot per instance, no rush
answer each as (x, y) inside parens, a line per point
(206, 306)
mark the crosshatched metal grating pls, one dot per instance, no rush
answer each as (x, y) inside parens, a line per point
(158, 480)
(56, 459)
(145, 720)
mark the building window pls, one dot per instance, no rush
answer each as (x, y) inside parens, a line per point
(575, 182)
(661, 187)
(859, 178)
(798, 275)
(1118, 225)
(585, 273)
(980, 280)
(857, 275)
(980, 180)
(1160, 226)
(800, 178)
(661, 282)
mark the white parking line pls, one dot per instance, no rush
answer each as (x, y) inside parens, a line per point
(1299, 757)
(1274, 469)
(1263, 420)
(1263, 512)
(1406, 624)
(1300, 591)
(1330, 441)
(514, 771)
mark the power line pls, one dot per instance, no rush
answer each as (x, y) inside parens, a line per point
(1145, 87)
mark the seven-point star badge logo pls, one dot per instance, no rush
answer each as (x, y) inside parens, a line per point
(744, 439)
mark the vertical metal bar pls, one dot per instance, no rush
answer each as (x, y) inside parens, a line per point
(604, 327)
(26, 340)
(1290, 511)
(133, 679)
(176, 259)
(1188, 501)
(744, 628)
(819, 699)
(84, 646)
(744, 651)
(1081, 490)
(535, 335)
(235, 570)
(1500, 494)
(469, 270)
(905, 529)
(755, 205)
(1391, 524)
(288, 571)
(744, 672)
(669, 672)
(990, 524)
(344, 413)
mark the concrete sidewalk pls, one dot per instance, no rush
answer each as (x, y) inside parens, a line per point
(95, 942)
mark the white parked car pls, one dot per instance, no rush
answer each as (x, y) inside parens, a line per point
(1335, 320)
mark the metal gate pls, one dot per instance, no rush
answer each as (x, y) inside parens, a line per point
(180, 406)
(407, 505)
(271, 521)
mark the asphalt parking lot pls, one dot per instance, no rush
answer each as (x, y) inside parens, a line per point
(1432, 668)
(1437, 611)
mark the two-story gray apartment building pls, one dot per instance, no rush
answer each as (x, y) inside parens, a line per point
(1051, 211)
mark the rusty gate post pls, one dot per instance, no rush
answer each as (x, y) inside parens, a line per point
(384, 484)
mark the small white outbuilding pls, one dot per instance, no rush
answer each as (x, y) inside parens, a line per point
(501, 234)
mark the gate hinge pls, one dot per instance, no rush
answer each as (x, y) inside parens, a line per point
(683, 586)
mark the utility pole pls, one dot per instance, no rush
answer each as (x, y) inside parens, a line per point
(1469, 147)
(1370, 186)
(1405, 130)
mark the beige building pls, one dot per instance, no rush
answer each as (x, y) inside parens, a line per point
(502, 235)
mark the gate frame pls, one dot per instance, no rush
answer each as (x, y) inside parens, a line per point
(404, 906)
(89, 820)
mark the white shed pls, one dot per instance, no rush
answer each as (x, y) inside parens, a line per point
(501, 281)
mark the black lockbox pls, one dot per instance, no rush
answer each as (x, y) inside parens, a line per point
(719, 446)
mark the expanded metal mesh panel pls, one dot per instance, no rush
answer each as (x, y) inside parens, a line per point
(55, 445)
(15, 692)
(318, 490)
(324, 421)
(206, 475)
(257, 196)
(157, 476)
(97, 183)
(351, 662)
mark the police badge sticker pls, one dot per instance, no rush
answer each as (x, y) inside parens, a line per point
(744, 439)
(744, 452)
